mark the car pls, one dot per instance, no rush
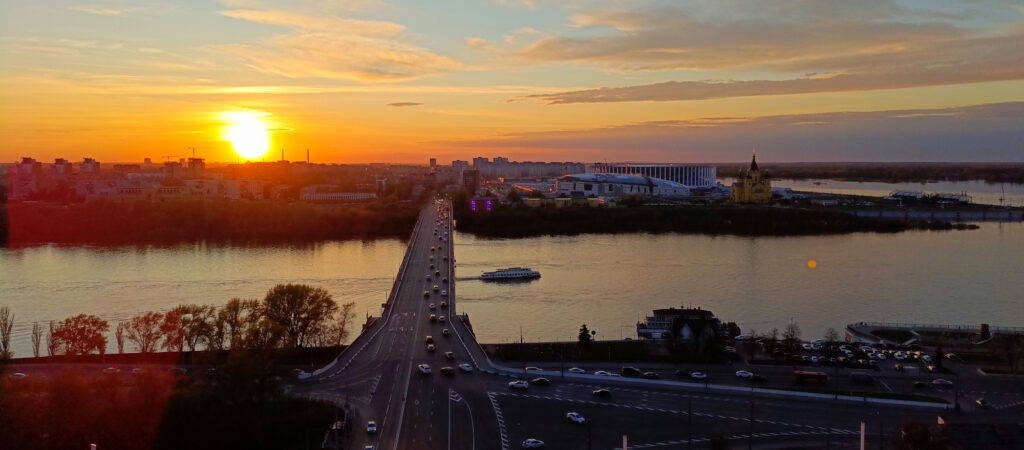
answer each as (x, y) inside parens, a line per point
(926, 358)
(941, 382)
(449, 356)
(442, 319)
(446, 256)
(603, 373)
(950, 356)
(444, 305)
(444, 280)
(433, 248)
(814, 360)
(444, 293)
(437, 273)
(424, 368)
(651, 375)
(465, 367)
(533, 443)
(930, 368)
(432, 318)
(431, 347)
(698, 375)
(730, 350)
(630, 372)
(447, 370)
(741, 338)
(921, 385)
(431, 257)
(897, 367)
(601, 393)
(429, 339)
(428, 277)
(445, 332)
(518, 384)
(982, 403)
(371, 427)
(436, 288)
(540, 381)
(576, 370)
(574, 417)
(426, 294)
(138, 371)
(431, 306)
(529, 368)
(111, 371)
(744, 374)
(17, 375)
(805, 346)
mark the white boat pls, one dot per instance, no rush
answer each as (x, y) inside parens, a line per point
(512, 273)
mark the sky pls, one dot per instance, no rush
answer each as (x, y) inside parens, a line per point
(359, 81)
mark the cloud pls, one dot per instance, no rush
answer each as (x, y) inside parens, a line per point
(874, 44)
(326, 46)
(404, 104)
(989, 132)
(98, 10)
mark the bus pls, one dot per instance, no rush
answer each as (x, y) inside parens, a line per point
(809, 377)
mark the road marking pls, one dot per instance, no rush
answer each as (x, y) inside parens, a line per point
(501, 420)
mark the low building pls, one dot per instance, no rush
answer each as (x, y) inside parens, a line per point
(618, 186)
(753, 188)
(681, 324)
(690, 175)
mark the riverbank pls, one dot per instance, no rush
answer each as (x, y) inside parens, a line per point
(144, 222)
(511, 221)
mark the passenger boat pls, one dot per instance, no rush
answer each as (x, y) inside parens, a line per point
(512, 273)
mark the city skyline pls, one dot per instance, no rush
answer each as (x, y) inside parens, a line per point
(368, 81)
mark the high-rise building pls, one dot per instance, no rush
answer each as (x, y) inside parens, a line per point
(61, 167)
(196, 168)
(433, 164)
(471, 180)
(89, 166)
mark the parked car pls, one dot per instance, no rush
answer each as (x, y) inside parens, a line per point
(744, 374)
(576, 370)
(533, 443)
(540, 381)
(575, 417)
(698, 375)
(630, 372)
(601, 393)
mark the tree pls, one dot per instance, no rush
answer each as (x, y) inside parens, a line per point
(584, 337)
(514, 196)
(302, 312)
(229, 322)
(119, 336)
(37, 338)
(831, 335)
(198, 328)
(791, 335)
(145, 331)
(6, 325)
(51, 344)
(341, 328)
(172, 328)
(81, 335)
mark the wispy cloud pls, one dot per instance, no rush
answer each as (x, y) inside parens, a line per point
(99, 10)
(404, 104)
(990, 132)
(336, 47)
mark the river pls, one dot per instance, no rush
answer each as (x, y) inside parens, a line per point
(605, 281)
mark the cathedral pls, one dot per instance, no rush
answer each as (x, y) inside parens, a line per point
(752, 188)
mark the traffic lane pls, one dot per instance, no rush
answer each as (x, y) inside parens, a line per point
(605, 424)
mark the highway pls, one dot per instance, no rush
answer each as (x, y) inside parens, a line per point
(378, 377)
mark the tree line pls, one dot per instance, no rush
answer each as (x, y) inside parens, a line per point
(145, 222)
(288, 316)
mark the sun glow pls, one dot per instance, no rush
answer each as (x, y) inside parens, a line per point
(247, 133)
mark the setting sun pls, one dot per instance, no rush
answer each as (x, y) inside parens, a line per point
(247, 133)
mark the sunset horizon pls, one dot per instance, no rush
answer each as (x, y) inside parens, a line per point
(376, 81)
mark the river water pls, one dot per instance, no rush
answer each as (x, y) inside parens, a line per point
(605, 281)
(982, 193)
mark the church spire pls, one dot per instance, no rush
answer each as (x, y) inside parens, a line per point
(753, 162)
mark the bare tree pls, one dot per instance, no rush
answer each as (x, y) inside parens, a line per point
(144, 331)
(198, 326)
(119, 335)
(791, 335)
(831, 335)
(340, 329)
(302, 312)
(173, 329)
(52, 346)
(6, 325)
(81, 335)
(37, 338)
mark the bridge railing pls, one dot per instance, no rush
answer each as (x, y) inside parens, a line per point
(936, 326)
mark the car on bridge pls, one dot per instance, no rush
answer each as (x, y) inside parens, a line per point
(518, 384)
(449, 356)
(575, 417)
(433, 318)
(744, 374)
(698, 375)
(541, 381)
(431, 306)
(444, 304)
(430, 339)
(436, 288)
(446, 370)
(444, 293)
(603, 373)
(445, 332)
(431, 347)
(533, 443)
(465, 367)
(424, 369)
(576, 370)
(426, 294)
(602, 393)
(630, 372)
(371, 427)
(442, 319)
(651, 375)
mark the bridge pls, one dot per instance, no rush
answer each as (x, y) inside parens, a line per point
(378, 377)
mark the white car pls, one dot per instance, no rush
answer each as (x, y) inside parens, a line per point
(518, 384)
(744, 374)
(699, 375)
(576, 370)
(603, 373)
(533, 443)
(575, 417)
(926, 358)
(814, 359)
(424, 368)
(444, 293)
(941, 382)
(17, 375)
(741, 338)
(371, 427)
(465, 367)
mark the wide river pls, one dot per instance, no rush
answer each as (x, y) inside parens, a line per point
(605, 281)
